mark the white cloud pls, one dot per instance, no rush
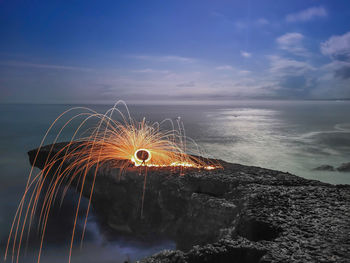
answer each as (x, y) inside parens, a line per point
(43, 66)
(285, 66)
(189, 84)
(225, 67)
(240, 24)
(291, 78)
(149, 70)
(178, 58)
(262, 22)
(290, 39)
(333, 81)
(245, 54)
(233, 70)
(337, 47)
(244, 72)
(307, 14)
(340, 69)
(166, 58)
(336, 78)
(292, 42)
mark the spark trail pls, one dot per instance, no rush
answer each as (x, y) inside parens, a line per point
(116, 137)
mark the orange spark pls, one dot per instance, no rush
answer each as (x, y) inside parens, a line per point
(126, 142)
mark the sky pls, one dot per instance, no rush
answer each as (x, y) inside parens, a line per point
(163, 51)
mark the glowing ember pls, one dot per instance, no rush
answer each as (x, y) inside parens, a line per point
(120, 143)
(141, 156)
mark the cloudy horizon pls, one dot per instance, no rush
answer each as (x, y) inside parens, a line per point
(183, 51)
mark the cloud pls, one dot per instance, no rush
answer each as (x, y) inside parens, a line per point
(277, 76)
(340, 69)
(225, 67)
(292, 42)
(291, 78)
(189, 84)
(43, 66)
(286, 66)
(343, 72)
(240, 25)
(244, 72)
(333, 80)
(290, 39)
(246, 54)
(262, 22)
(337, 47)
(307, 14)
(233, 70)
(149, 70)
(166, 58)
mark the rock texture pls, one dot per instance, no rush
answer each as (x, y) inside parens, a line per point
(235, 214)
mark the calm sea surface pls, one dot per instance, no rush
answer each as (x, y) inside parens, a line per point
(293, 137)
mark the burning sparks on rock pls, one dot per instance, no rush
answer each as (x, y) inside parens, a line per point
(121, 143)
(141, 156)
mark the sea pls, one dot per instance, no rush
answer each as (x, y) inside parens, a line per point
(290, 136)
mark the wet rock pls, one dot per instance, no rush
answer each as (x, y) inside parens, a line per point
(238, 214)
(345, 167)
(324, 167)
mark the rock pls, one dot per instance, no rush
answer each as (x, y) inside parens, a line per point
(345, 167)
(324, 167)
(239, 213)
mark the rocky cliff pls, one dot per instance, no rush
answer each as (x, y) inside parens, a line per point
(235, 214)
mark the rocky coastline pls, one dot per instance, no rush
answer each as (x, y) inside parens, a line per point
(235, 214)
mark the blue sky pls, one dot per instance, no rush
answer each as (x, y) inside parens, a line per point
(158, 51)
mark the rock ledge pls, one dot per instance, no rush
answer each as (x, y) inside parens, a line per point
(238, 214)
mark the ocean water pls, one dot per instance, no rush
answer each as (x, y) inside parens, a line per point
(291, 136)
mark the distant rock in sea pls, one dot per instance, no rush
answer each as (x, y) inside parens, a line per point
(237, 214)
(325, 167)
(345, 167)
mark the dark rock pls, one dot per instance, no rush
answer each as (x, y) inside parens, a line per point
(345, 167)
(236, 214)
(324, 167)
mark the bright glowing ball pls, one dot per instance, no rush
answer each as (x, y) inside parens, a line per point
(142, 155)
